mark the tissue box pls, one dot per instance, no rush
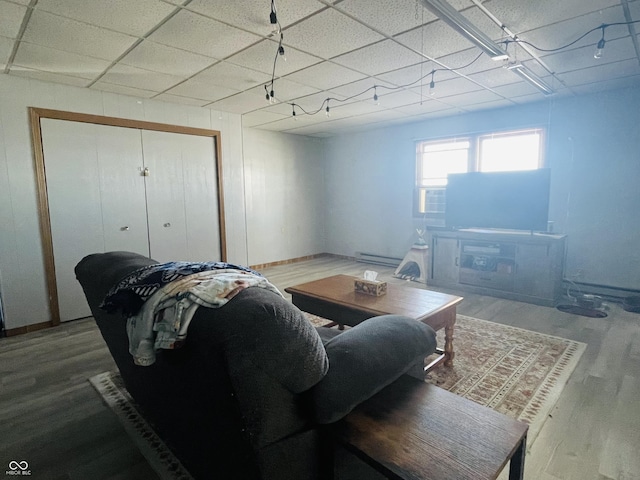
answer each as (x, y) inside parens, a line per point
(369, 287)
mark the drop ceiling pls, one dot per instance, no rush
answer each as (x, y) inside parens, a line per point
(220, 55)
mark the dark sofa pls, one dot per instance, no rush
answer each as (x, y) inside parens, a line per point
(248, 394)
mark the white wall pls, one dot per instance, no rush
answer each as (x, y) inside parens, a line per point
(284, 188)
(593, 151)
(21, 258)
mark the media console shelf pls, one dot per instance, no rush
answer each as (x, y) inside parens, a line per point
(509, 264)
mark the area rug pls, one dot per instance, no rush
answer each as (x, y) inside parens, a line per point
(113, 392)
(516, 372)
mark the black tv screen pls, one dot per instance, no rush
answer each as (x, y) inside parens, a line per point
(501, 200)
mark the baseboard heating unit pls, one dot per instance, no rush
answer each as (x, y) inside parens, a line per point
(377, 259)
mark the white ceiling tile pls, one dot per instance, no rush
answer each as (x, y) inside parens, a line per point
(132, 17)
(379, 58)
(260, 117)
(399, 98)
(195, 33)
(355, 108)
(316, 101)
(261, 56)
(49, 77)
(325, 75)
(254, 16)
(232, 76)
(565, 61)
(433, 40)
(470, 61)
(489, 105)
(428, 106)
(244, 102)
(328, 34)
(361, 90)
(471, 98)
(524, 16)
(283, 109)
(123, 90)
(164, 59)
(452, 86)
(612, 84)
(286, 90)
(140, 78)
(166, 97)
(65, 63)
(601, 73)
(517, 89)
(563, 33)
(76, 37)
(437, 114)
(494, 78)
(11, 16)
(388, 16)
(411, 76)
(311, 130)
(534, 97)
(199, 89)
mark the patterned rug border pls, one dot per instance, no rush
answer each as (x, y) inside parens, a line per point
(158, 455)
(547, 395)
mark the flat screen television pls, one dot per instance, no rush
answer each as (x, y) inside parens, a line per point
(500, 200)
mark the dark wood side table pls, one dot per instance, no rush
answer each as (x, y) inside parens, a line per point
(416, 431)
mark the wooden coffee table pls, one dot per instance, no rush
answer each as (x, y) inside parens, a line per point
(335, 298)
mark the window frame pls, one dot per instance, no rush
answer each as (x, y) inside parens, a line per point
(474, 164)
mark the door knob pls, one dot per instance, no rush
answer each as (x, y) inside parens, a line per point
(125, 228)
(167, 225)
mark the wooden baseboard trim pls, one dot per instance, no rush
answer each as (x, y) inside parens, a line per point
(12, 332)
(261, 266)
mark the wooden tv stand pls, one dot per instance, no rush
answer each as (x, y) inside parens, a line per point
(516, 265)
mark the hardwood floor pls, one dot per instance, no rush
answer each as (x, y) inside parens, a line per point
(51, 417)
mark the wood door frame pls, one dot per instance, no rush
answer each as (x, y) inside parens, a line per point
(35, 116)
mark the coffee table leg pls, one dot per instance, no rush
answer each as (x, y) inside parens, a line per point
(516, 465)
(449, 354)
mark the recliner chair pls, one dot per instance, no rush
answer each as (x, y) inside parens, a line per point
(248, 395)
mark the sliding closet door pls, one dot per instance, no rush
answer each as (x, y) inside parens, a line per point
(182, 196)
(96, 199)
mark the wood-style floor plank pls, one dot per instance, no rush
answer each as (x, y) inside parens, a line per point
(51, 417)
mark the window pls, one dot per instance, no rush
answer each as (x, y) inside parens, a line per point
(494, 152)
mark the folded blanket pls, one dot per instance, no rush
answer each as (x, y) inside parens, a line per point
(163, 320)
(129, 294)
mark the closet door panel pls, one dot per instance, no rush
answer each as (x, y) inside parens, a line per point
(122, 189)
(94, 189)
(165, 196)
(73, 189)
(182, 197)
(201, 199)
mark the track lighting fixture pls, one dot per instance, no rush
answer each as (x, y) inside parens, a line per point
(464, 27)
(432, 84)
(375, 95)
(327, 110)
(600, 46)
(533, 79)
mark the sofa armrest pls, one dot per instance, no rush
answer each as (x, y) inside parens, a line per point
(365, 359)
